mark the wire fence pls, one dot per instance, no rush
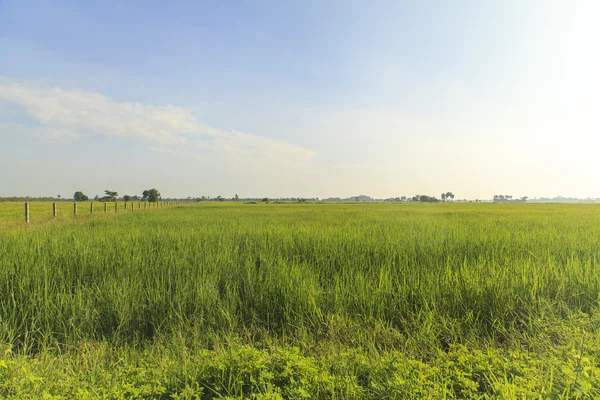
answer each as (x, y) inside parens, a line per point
(79, 208)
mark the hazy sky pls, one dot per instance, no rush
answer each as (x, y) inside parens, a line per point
(305, 98)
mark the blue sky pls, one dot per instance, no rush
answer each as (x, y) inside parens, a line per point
(311, 98)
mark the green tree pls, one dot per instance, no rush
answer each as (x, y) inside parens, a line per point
(109, 196)
(127, 197)
(151, 195)
(79, 196)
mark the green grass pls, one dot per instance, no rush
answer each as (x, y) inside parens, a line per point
(328, 301)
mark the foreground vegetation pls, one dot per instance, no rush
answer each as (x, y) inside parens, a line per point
(295, 301)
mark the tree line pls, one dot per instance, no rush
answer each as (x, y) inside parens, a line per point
(150, 195)
(504, 198)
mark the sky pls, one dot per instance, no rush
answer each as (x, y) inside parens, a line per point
(300, 99)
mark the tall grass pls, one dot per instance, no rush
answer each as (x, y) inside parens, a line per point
(422, 278)
(287, 269)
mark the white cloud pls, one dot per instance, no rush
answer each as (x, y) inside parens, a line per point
(73, 114)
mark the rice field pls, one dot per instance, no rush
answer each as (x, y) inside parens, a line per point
(302, 301)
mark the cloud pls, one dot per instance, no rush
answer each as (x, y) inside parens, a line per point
(75, 113)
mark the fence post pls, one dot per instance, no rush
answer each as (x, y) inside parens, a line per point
(54, 213)
(139, 205)
(105, 207)
(132, 206)
(116, 207)
(26, 212)
(75, 209)
(125, 206)
(91, 208)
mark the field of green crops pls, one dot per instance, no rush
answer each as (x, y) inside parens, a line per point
(319, 301)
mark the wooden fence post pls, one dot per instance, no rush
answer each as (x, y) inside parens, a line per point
(91, 208)
(132, 206)
(116, 207)
(54, 213)
(26, 212)
(75, 209)
(105, 207)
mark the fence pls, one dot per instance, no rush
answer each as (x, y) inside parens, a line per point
(127, 206)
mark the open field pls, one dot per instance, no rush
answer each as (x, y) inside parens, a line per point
(294, 301)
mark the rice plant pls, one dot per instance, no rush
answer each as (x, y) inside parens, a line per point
(355, 292)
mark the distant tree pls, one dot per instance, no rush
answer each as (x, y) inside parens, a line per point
(203, 198)
(426, 199)
(96, 198)
(109, 196)
(450, 195)
(59, 196)
(219, 198)
(266, 199)
(503, 198)
(236, 198)
(79, 196)
(151, 195)
(127, 197)
(443, 196)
